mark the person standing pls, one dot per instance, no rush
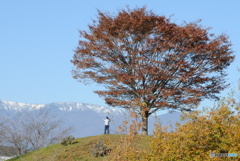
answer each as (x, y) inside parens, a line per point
(106, 128)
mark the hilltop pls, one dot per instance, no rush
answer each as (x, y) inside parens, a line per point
(82, 147)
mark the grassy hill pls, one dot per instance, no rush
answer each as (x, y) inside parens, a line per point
(81, 148)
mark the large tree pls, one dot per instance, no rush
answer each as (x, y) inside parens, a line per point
(148, 63)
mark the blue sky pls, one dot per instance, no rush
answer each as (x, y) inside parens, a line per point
(37, 39)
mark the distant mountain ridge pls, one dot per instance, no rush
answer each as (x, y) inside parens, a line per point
(15, 106)
(86, 119)
(70, 107)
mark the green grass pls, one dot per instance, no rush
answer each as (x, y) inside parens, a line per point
(81, 149)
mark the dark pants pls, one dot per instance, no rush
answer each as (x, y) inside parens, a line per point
(106, 129)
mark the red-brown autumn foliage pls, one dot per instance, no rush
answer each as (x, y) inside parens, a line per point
(149, 63)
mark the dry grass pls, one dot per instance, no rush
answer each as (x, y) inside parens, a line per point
(81, 148)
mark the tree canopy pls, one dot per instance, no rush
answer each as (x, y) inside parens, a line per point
(148, 63)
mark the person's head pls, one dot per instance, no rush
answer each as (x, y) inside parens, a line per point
(107, 117)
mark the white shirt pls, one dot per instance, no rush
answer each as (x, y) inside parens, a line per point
(106, 121)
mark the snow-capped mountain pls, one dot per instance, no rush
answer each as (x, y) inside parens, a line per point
(68, 107)
(85, 119)
(14, 106)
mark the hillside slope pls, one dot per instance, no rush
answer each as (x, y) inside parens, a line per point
(82, 147)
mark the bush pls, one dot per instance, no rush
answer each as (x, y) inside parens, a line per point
(67, 140)
(213, 131)
(99, 149)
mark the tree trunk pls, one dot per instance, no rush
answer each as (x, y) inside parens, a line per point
(19, 151)
(145, 123)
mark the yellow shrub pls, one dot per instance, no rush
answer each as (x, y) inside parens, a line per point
(215, 131)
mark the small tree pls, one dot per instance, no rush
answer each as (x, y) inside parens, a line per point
(2, 128)
(15, 135)
(43, 128)
(34, 130)
(148, 63)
